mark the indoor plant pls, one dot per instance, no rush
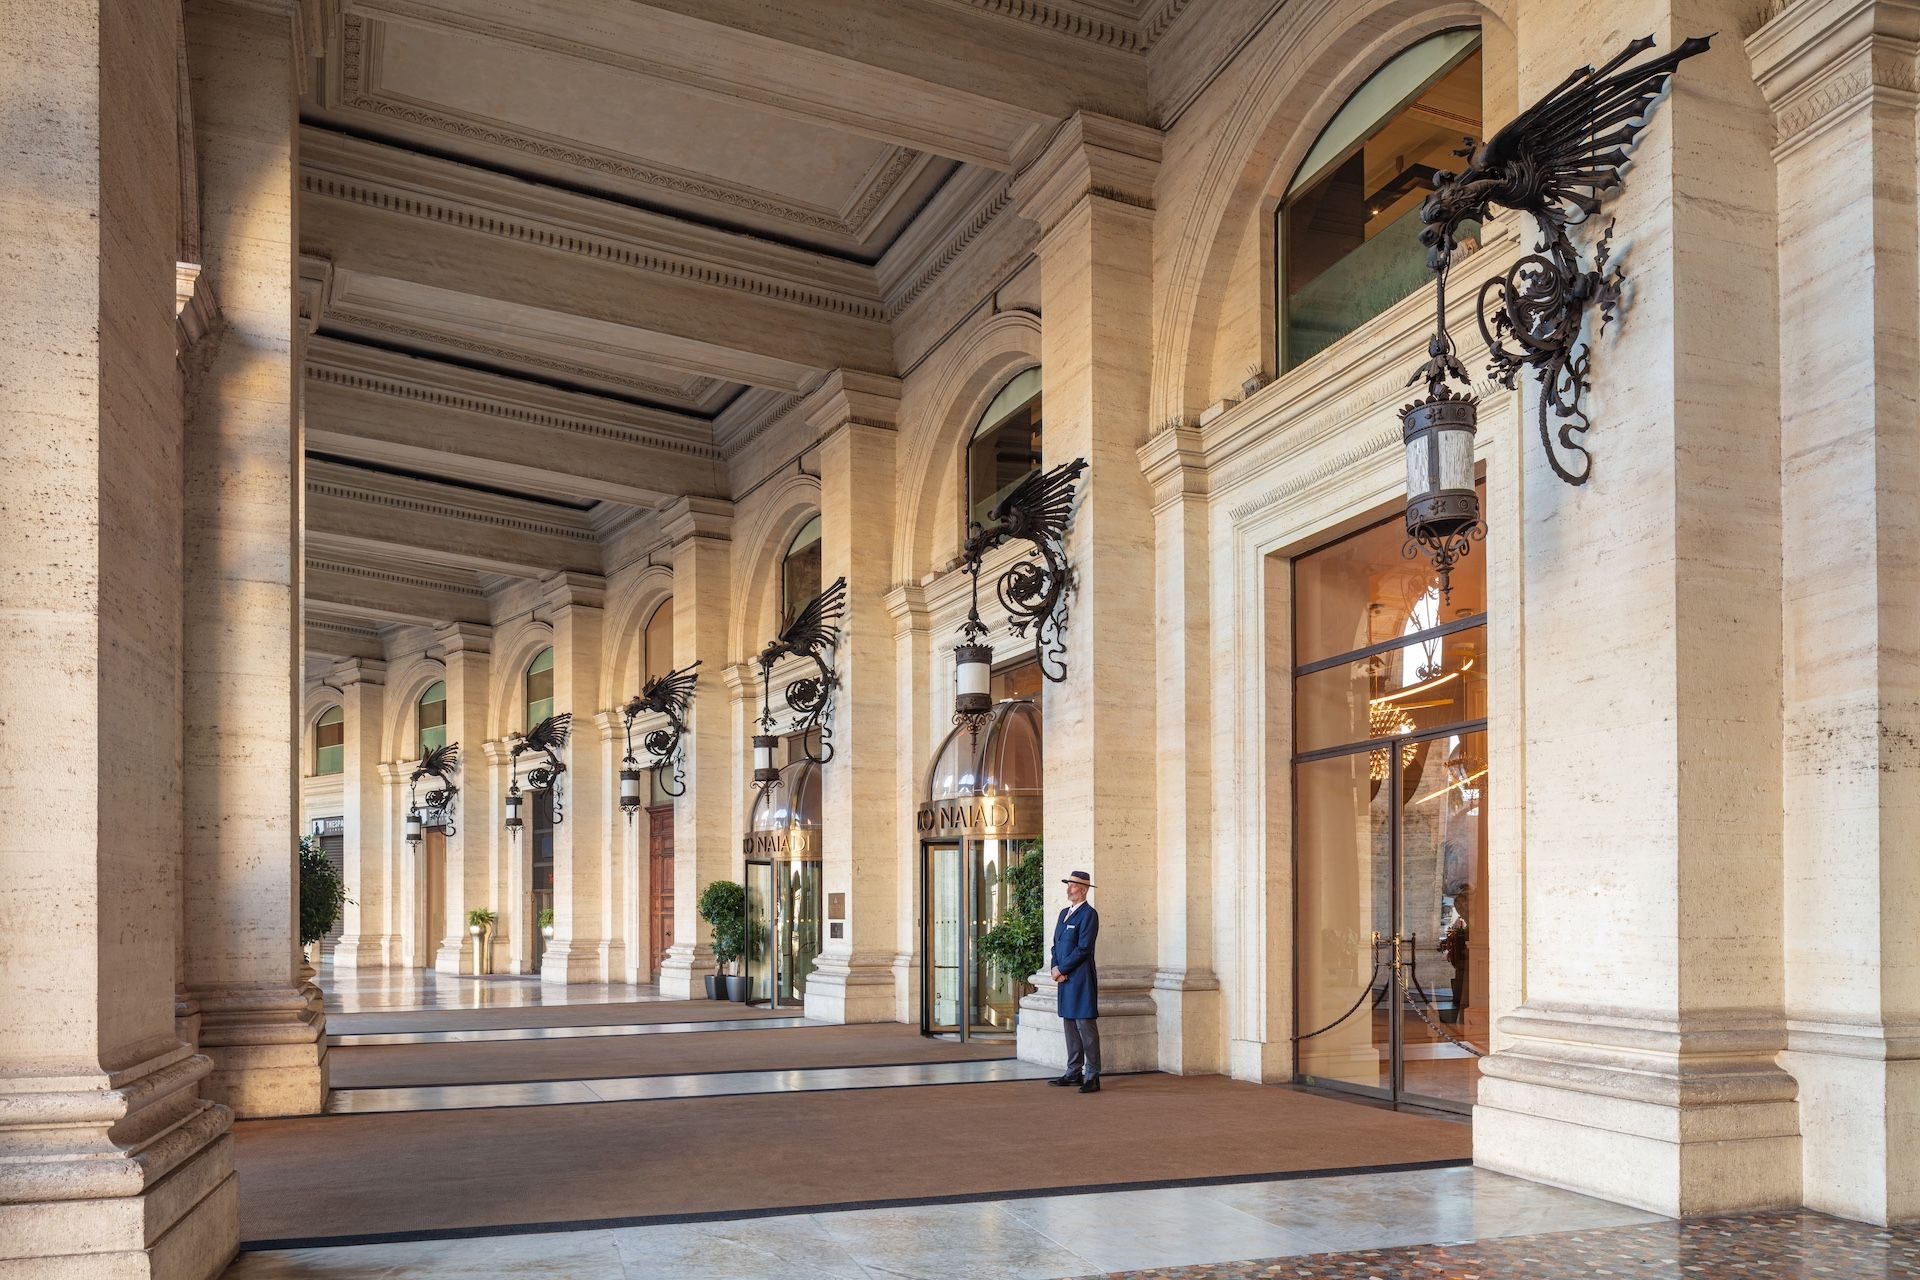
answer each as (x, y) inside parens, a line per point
(480, 923)
(546, 922)
(1016, 946)
(723, 905)
(323, 893)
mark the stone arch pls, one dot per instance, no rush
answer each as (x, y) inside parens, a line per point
(317, 699)
(1288, 85)
(620, 653)
(932, 522)
(790, 504)
(404, 686)
(513, 651)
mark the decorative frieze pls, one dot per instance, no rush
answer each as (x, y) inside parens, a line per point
(421, 506)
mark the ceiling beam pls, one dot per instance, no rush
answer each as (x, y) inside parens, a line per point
(382, 596)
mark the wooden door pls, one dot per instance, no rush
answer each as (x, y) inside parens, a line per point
(660, 877)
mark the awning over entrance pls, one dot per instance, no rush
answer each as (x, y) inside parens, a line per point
(784, 821)
(990, 784)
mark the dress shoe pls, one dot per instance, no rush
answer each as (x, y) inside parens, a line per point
(1065, 1080)
(1091, 1086)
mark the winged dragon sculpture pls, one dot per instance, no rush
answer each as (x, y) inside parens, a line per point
(669, 695)
(440, 763)
(812, 634)
(1556, 160)
(547, 737)
(1033, 590)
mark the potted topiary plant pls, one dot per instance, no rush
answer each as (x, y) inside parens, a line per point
(723, 905)
(480, 923)
(323, 894)
(1016, 945)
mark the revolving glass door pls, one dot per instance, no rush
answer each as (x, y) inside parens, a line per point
(783, 930)
(965, 894)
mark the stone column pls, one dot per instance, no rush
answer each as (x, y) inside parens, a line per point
(1839, 75)
(607, 736)
(853, 415)
(1642, 1065)
(367, 938)
(242, 540)
(506, 894)
(1186, 992)
(700, 529)
(917, 732)
(1091, 193)
(574, 954)
(466, 648)
(109, 1162)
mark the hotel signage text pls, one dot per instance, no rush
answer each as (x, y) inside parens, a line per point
(999, 817)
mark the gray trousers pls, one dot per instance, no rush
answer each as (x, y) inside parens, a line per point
(1083, 1047)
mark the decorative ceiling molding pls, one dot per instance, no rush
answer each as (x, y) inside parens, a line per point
(396, 579)
(325, 488)
(341, 628)
(882, 183)
(909, 290)
(1154, 20)
(1155, 27)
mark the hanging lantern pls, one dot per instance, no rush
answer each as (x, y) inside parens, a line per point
(413, 825)
(1443, 508)
(972, 678)
(765, 771)
(630, 788)
(513, 806)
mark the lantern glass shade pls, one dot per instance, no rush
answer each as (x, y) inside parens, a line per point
(972, 677)
(413, 826)
(1438, 436)
(513, 810)
(629, 788)
(764, 769)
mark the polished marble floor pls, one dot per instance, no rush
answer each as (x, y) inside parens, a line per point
(366, 1039)
(369, 990)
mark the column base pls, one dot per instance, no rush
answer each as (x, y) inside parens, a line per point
(1261, 1061)
(1859, 1106)
(906, 986)
(1188, 1022)
(569, 962)
(1682, 1119)
(683, 974)
(1129, 1023)
(269, 1051)
(362, 951)
(455, 955)
(845, 989)
(155, 1201)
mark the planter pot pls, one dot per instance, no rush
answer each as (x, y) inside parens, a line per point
(736, 987)
(546, 931)
(716, 987)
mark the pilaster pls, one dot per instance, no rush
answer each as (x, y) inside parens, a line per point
(701, 530)
(242, 619)
(466, 648)
(1840, 78)
(367, 937)
(917, 732)
(574, 954)
(1091, 194)
(854, 415)
(1641, 1065)
(507, 884)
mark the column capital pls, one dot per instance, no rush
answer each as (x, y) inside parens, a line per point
(1092, 157)
(463, 637)
(849, 397)
(497, 751)
(316, 290)
(1175, 464)
(392, 772)
(907, 606)
(689, 516)
(348, 672)
(1817, 59)
(610, 724)
(567, 590)
(740, 679)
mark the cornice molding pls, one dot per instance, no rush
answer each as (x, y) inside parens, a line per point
(316, 564)
(1174, 463)
(851, 398)
(1816, 60)
(933, 265)
(393, 181)
(456, 638)
(1107, 30)
(696, 517)
(1091, 156)
(342, 628)
(336, 487)
(574, 590)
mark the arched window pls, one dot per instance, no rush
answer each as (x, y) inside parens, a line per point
(433, 717)
(656, 657)
(540, 687)
(330, 742)
(1347, 233)
(1006, 444)
(800, 571)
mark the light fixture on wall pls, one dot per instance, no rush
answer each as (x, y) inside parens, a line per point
(1032, 590)
(547, 737)
(812, 634)
(669, 695)
(1555, 160)
(441, 763)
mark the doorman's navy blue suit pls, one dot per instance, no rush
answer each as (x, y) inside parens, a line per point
(1074, 934)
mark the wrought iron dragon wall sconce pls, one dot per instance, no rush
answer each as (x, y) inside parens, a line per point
(669, 695)
(1556, 161)
(547, 737)
(440, 763)
(812, 634)
(1033, 590)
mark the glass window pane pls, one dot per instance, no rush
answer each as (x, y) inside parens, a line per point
(800, 571)
(433, 717)
(329, 741)
(1361, 591)
(1345, 900)
(540, 687)
(1443, 851)
(1436, 682)
(1349, 232)
(658, 658)
(330, 760)
(1006, 445)
(1022, 680)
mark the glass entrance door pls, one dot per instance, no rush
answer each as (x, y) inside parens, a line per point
(964, 895)
(760, 960)
(783, 930)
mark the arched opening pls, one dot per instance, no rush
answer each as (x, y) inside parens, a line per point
(430, 716)
(656, 642)
(980, 821)
(784, 877)
(800, 571)
(330, 742)
(1347, 231)
(1005, 448)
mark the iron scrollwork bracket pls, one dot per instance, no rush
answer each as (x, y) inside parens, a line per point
(1556, 161)
(1034, 589)
(670, 695)
(813, 634)
(441, 764)
(546, 737)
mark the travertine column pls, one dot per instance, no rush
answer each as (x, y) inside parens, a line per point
(702, 818)
(607, 735)
(853, 414)
(1091, 192)
(367, 938)
(917, 733)
(242, 622)
(1642, 1064)
(466, 648)
(1840, 77)
(109, 1163)
(506, 894)
(1186, 991)
(574, 955)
